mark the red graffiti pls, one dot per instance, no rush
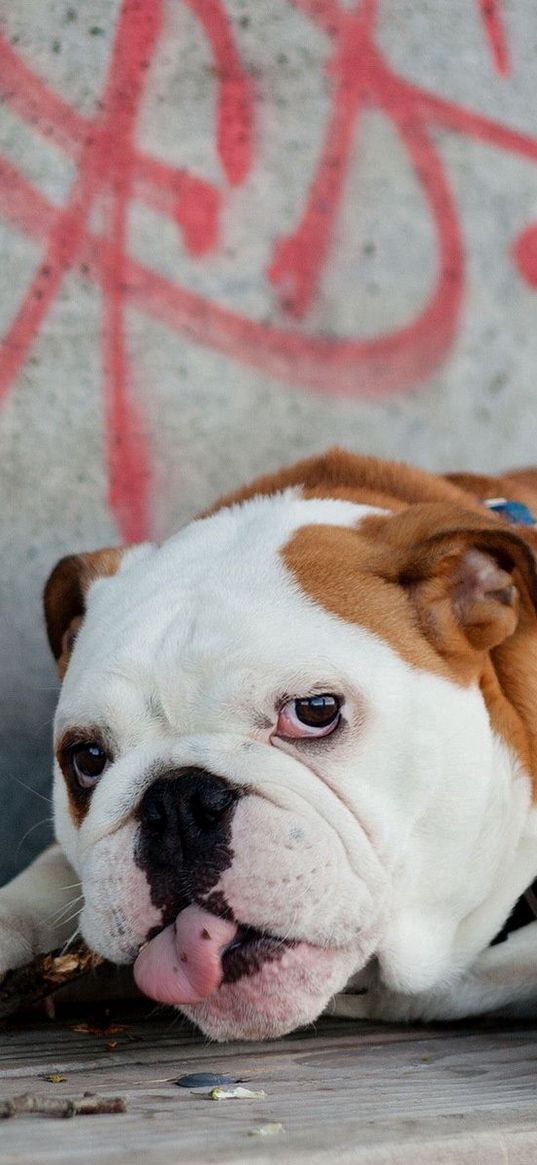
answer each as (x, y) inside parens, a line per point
(525, 255)
(110, 168)
(495, 31)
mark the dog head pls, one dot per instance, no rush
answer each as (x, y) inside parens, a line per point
(274, 755)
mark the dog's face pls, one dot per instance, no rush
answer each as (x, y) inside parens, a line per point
(269, 764)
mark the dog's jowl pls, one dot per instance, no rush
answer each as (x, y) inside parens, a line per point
(296, 752)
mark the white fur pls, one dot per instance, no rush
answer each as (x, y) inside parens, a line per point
(407, 837)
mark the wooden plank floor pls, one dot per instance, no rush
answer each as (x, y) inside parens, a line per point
(346, 1092)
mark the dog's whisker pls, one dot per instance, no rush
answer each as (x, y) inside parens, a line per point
(70, 940)
(66, 921)
(65, 916)
(56, 918)
(29, 789)
(37, 825)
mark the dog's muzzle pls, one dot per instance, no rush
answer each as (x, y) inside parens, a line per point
(183, 847)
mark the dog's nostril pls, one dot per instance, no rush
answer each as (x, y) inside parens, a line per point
(185, 805)
(208, 805)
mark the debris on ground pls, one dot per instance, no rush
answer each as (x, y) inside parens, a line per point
(45, 974)
(87, 1105)
(202, 1080)
(236, 1093)
(269, 1130)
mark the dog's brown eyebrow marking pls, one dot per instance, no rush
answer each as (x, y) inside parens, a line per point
(79, 798)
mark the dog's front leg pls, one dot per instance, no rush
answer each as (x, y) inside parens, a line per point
(38, 909)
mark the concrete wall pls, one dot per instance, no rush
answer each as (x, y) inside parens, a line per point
(234, 232)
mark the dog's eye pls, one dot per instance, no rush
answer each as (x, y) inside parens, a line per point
(309, 716)
(89, 762)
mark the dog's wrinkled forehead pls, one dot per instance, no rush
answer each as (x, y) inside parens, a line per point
(220, 589)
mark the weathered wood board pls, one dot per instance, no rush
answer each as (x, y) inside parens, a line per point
(346, 1092)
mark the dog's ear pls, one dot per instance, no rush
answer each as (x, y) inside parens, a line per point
(65, 597)
(469, 577)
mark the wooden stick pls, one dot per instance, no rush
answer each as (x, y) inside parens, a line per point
(44, 975)
(87, 1105)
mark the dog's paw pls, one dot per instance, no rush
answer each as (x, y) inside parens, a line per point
(16, 947)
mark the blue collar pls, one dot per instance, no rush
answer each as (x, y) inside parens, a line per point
(515, 512)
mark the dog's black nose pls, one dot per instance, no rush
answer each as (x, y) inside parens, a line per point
(184, 840)
(186, 810)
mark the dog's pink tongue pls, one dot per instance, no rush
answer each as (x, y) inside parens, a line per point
(183, 963)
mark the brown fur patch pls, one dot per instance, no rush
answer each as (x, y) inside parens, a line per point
(367, 480)
(357, 577)
(323, 559)
(341, 570)
(65, 597)
(390, 485)
(65, 606)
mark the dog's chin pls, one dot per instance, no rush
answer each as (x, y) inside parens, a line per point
(277, 998)
(237, 982)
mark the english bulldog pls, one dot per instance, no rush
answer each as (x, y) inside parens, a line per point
(296, 749)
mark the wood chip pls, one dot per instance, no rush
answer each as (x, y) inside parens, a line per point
(88, 1105)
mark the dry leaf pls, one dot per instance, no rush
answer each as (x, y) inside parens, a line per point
(56, 968)
(92, 1029)
(236, 1093)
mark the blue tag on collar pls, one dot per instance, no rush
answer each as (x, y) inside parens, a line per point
(515, 512)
